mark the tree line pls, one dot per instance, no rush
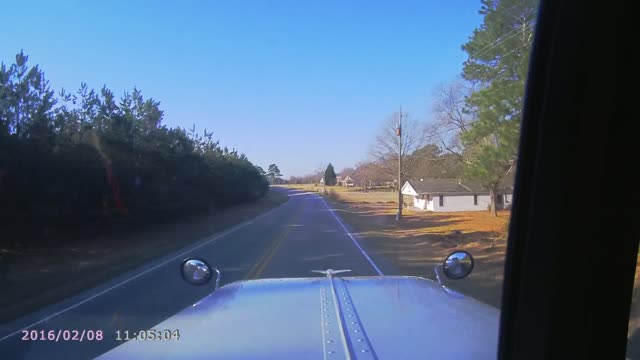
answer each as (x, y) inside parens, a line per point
(477, 119)
(75, 158)
(474, 129)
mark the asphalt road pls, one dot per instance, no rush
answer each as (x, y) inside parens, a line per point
(301, 235)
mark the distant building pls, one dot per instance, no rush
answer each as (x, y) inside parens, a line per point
(346, 181)
(443, 195)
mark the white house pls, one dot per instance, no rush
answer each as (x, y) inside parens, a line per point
(346, 181)
(442, 195)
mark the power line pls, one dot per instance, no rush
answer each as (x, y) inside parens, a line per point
(433, 135)
(501, 40)
(491, 44)
(497, 42)
(485, 49)
(530, 14)
(518, 48)
(512, 84)
(502, 56)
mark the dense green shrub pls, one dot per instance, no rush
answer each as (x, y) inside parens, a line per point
(78, 159)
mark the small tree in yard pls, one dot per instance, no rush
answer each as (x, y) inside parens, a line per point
(330, 176)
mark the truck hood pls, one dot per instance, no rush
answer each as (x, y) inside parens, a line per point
(390, 317)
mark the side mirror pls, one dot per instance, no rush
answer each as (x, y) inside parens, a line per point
(198, 272)
(458, 265)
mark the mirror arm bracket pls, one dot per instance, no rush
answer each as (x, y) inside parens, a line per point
(438, 274)
(218, 276)
(443, 286)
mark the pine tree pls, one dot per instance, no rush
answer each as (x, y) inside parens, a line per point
(330, 176)
(498, 62)
(273, 174)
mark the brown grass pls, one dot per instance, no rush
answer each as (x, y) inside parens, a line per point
(423, 239)
(359, 195)
(368, 197)
(350, 194)
(305, 187)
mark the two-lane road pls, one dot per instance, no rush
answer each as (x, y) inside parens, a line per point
(301, 235)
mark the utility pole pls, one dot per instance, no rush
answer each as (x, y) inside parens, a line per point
(399, 134)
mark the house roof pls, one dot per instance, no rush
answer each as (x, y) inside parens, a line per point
(454, 186)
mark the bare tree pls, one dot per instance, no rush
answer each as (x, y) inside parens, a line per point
(369, 174)
(385, 150)
(310, 178)
(432, 162)
(318, 173)
(450, 118)
(347, 171)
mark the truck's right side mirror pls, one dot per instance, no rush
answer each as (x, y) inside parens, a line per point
(458, 265)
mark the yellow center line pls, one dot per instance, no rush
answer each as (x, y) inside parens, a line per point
(259, 266)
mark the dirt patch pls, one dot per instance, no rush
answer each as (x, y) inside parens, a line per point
(33, 278)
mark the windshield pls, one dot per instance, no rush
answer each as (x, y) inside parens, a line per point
(269, 139)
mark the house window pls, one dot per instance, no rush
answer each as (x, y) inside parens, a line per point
(441, 200)
(475, 199)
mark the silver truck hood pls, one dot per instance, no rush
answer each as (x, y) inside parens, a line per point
(391, 317)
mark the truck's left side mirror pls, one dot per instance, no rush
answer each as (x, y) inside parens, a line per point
(198, 272)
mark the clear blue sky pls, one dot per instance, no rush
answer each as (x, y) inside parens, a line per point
(296, 83)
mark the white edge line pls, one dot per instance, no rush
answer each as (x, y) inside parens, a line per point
(353, 239)
(207, 242)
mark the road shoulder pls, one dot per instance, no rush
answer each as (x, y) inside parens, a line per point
(54, 277)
